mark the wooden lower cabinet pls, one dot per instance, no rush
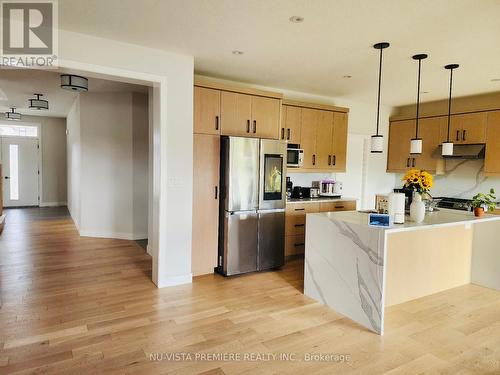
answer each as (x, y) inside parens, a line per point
(295, 221)
(206, 150)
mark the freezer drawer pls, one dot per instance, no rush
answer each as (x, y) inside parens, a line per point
(271, 239)
(240, 242)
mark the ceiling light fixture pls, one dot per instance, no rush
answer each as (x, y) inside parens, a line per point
(377, 143)
(416, 143)
(38, 103)
(296, 19)
(13, 115)
(237, 52)
(448, 145)
(74, 83)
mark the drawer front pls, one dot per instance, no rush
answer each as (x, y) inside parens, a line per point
(295, 225)
(294, 245)
(338, 206)
(301, 208)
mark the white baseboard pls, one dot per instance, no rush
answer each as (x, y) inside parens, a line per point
(53, 204)
(167, 281)
(116, 235)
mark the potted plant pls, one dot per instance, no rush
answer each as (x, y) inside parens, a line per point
(420, 182)
(481, 201)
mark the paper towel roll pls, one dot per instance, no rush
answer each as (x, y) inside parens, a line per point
(397, 202)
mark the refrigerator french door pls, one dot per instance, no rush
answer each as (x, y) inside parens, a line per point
(252, 215)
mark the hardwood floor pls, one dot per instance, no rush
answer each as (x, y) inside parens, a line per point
(83, 305)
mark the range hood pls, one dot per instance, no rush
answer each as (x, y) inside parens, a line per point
(475, 151)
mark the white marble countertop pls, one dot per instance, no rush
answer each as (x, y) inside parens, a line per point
(320, 199)
(444, 217)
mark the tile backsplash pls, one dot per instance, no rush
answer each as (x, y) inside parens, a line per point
(463, 179)
(306, 179)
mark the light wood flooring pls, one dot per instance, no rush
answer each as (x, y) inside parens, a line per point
(74, 305)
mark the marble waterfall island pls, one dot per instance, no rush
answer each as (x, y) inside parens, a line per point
(358, 270)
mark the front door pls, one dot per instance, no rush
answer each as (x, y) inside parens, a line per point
(20, 171)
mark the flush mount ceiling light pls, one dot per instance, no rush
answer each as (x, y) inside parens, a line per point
(377, 144)
(13, 115)
(38, 103)
(296, 19)
(448, 145)
(237, 52)
(416, 143)
(74, 83)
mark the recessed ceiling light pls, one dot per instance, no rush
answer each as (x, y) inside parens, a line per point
(296, 19)
(237, 52)
(495, 80)
(347, 76)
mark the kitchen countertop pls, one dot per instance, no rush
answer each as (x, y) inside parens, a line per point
(320, 199)
(443, 217)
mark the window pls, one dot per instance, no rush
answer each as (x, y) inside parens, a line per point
(14, 172)
(18, 130)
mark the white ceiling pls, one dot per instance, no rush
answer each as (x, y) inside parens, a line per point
(335, 39)
(17, 86)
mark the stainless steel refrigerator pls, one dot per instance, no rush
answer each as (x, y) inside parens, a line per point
(252, 205)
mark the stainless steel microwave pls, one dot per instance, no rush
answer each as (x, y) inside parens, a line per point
(294, 157)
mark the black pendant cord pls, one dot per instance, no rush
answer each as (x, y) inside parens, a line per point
(449, 104)
(379, 84)
(450, 67)
(418, 98)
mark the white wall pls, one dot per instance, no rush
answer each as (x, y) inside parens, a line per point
(366, 173)
(171, 75)
(73, 161)
(112, 166)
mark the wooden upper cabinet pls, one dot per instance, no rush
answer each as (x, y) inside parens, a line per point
(236, 114)
(431, 131)
(205, 203)
(492, 159)
(400, 134)
(468, 128)
(206, 111)
(324, 136)
(265, 117)
(291, 124)
(249, 116)
(310, 120)
(339, 143)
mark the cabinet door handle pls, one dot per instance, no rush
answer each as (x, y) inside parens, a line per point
(288, 135)
(216, 192)
(216, 122)
(339, 206)
(458, 135)
(299, 209)
(329, 159)
(299, 244)
(314, 159)
(248, 126)
(408, 163)
(463, 135)
(299, 225)
(282, 133)
(334, 159)
(254, 126)
(413, 163)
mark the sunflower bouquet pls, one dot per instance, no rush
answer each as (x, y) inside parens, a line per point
(418, 180)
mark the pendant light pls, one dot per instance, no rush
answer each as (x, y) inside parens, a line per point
(447, 149)
(416, 143)
(377, 144)
(13, 115)
(74, 83)
(38, 103)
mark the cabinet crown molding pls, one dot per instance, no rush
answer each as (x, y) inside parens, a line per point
(325, 107)
(205, 82)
